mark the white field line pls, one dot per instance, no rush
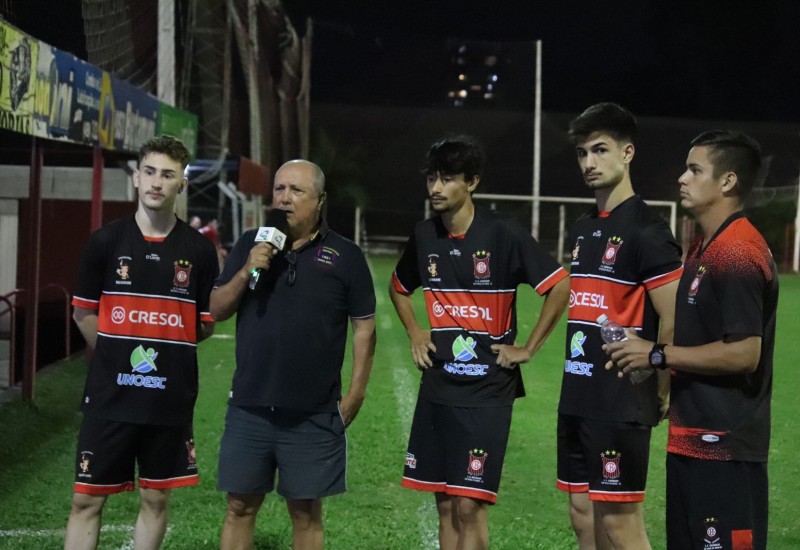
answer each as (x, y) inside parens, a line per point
(405, 391)
(49, 533)
(60, 533)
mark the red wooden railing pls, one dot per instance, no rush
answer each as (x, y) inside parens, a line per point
(11, 308)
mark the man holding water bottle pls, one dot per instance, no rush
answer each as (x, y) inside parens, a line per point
(719, 422)
(625, 265)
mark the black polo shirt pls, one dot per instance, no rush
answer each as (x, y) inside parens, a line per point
(290, 339)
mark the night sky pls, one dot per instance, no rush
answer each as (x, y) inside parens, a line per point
(708, 59)
(729, 60)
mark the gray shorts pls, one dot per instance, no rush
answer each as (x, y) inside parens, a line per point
(308, 450)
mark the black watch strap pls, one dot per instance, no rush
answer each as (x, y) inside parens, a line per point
(658, 358)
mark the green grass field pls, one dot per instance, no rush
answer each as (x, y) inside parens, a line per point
(37, 453)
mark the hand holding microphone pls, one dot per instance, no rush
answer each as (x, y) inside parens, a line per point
(272, 233)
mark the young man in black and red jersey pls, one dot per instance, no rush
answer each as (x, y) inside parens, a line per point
(469, 262)
(142, 304)
(626, 265)
(721, 360)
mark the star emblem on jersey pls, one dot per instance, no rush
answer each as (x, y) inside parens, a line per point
(612, 248)
(464, 348)
(183, 268)
(143, 361)
(480, 261)
(576, 344)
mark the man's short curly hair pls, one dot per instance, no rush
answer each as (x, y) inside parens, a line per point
(166, 145)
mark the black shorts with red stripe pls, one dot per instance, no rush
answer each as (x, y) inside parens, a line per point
(606, 459)
(457, 450)
(108, 452)
(716, 504)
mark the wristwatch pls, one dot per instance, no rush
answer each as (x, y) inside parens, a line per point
(658, 358)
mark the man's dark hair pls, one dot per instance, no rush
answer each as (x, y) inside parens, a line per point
(607, 118)
(732, 151)
(166, 145)
(455, 155)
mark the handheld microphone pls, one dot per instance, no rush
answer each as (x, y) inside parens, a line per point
(272, 233)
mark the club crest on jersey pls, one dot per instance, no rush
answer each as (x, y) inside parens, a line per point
(711, 534)
(695, 286)
(411, 461)
(480, 264)
(612, 249)
(476, 464)
(433, 268)
(183, 268)
(611, 467)
(123, 270)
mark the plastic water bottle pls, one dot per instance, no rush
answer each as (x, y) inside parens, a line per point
(610, 332)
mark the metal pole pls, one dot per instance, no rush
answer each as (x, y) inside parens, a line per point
(97, 188)
(796, 255)
(32, 279)
(562, 229)
(537, 142)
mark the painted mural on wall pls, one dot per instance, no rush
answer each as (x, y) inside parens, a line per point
(18, 53)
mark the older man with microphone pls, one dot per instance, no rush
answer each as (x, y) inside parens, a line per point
(287, 412)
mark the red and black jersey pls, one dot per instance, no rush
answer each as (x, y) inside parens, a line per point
(730, 287)
(470, 285)
(150, 297)
(616, 258)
